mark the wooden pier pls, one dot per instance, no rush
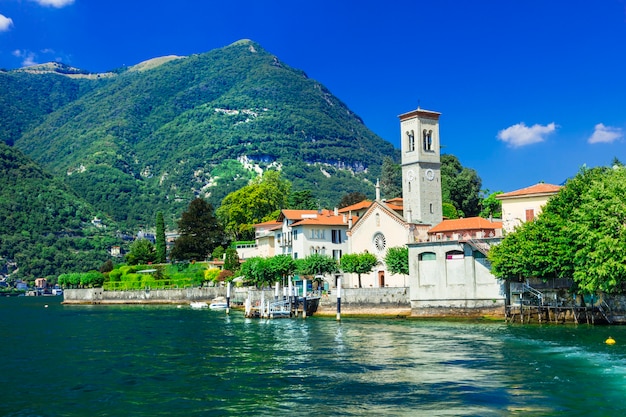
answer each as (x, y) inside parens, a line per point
(555, 314)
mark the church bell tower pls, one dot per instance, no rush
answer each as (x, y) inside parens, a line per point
(421, 167)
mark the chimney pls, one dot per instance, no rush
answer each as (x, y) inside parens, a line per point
(336, 211)
(377, 190)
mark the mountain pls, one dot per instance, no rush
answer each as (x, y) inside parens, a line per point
(45, 228)
(151, 137)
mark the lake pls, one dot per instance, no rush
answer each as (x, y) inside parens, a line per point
(174, 361)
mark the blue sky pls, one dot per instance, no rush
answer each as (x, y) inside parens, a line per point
(529, 90)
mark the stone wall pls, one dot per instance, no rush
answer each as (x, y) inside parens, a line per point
(170, 296)
(391, 301)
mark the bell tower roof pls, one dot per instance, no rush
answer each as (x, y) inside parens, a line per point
(420, 113)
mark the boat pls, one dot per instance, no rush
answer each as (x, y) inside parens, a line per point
(198, 304)
(218, 304)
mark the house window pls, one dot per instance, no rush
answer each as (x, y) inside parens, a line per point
(378, 219)
(411, 140)
(431, 208)
(336, 236)
(337, 254)
(530, 215)
(295, 235)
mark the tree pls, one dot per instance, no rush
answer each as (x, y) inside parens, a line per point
(351, 198)
(390, 179)
(579, 234)
(160, 255)
(231, 260)
(491, 206)
(256, 271)
(255, 203)
(302, 200)
(218, 253)
(460, 186)
(141, 252)
(317, 264)
(199, 232)
(358, 263)
(106, 267)
(281, 266)
(397, 260)
(449, 211)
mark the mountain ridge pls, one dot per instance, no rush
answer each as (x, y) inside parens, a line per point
(179, 127)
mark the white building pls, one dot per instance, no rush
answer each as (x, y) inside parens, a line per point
(307, 232)
(523, 205)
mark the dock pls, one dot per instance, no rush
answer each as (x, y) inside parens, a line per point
(281, 308)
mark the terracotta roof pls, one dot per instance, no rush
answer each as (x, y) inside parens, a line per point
(300, 214)
(331, 220)
(269, 223)
(358, 206)
(534, 190)
(398, 201)
(394, 207)
(470, 223)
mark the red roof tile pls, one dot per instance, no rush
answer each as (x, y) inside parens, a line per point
(470, 223)
(358, 206)
(533, 190)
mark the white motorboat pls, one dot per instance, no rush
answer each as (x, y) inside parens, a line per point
(218, 304)
(198, 304)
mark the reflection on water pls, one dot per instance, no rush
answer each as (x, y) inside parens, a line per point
(157, 360)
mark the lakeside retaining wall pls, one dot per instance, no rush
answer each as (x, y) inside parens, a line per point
(354, 301)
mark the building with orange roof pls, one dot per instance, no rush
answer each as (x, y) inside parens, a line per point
(524, 205)
(466, 229)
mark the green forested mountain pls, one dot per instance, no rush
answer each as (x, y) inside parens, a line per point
(44, 226)
(152, 137)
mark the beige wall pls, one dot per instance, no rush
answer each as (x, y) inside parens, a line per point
(514, 210)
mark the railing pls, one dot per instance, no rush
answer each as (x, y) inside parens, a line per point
(606, 316)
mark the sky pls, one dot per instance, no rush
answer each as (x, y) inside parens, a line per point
(528, 90)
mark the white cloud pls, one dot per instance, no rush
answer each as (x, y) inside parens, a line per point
(54, 3)
(28, 57)
(5, 23)
(521, 135)
(605, 134)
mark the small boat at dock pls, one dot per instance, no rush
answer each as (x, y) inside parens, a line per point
(198, 305)
(218, 304)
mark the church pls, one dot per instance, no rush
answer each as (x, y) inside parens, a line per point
(448, 268)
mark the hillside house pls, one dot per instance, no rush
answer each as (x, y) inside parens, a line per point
(523, 205)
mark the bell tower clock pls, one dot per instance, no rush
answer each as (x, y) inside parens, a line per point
(421, 166)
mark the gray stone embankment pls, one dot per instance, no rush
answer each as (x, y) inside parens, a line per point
(354, 301)
(390, 301)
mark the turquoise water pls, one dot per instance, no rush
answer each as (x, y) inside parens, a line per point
(158, 360)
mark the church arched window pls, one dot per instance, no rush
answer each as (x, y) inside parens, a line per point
(410, 134)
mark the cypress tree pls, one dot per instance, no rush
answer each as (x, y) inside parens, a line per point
(160, 239)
